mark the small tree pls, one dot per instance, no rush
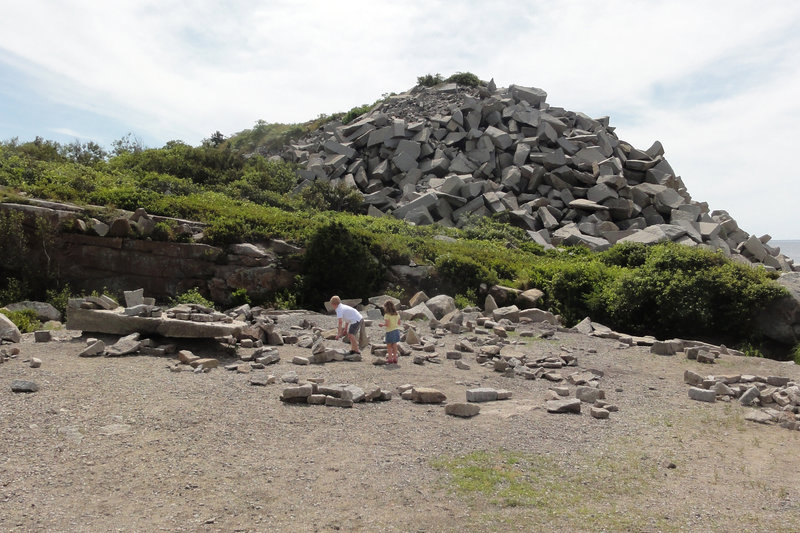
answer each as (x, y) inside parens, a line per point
(338, 262)
(430, 80)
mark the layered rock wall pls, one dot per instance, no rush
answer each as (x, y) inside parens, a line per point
(162, 269)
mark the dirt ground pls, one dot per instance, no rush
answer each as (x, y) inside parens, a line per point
(124, 444)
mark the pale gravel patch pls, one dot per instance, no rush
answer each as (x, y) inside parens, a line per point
(124, 444)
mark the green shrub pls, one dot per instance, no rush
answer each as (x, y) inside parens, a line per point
(15, 290)
(25, 320)
(464, 78)
(337, 261)
(13, 240)
(628, 255)
(356, 112)
(163, 231)
(323, 196)
(796, 354)
(430, 80)
(192, 296)
(572, 289)
(461, 274)
(286, 299)
(59, 298)
(239, 297)
(686, 292)
(466, 300)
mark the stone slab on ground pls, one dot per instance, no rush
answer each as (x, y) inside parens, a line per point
(113, 323)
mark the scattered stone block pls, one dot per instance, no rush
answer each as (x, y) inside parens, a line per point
(259, 379)
(330, 401)
(427, 395)
(463, 410)
(481, 395)
(297, 392)
(42, 335)
(205, 362)
(21, 385)
(563, 406)
(702, 395)
(589, 394)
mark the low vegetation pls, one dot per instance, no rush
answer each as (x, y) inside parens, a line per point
(532, 488)
(665, 290)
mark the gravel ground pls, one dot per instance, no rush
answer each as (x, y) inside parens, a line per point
(123, 444)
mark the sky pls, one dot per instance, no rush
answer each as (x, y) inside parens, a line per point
(717, 82)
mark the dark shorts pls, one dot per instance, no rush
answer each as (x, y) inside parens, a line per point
(393, 337)
(353, 329)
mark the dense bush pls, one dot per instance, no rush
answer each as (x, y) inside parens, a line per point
(25, 320)
(192, 296)
(464, 78)
(356, 112)
(461, 78)
(682, 291)
(338, 262)
(430, 80)
(323, 196)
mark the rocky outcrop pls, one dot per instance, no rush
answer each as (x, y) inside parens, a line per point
(440, 154)
(90, 261)
(781, 320)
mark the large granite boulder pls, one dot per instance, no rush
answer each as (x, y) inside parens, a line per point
(9, 330)
(780, 321)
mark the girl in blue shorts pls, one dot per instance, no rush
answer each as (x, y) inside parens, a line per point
(391, 320)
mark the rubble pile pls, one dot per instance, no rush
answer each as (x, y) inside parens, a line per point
(437, 155)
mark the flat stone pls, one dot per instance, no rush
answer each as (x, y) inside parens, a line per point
(125, 346)
(114, 323)
(186, 357)
(206, 362)
(563, 406)
(260, 379)
(330, 401)
(759, 417)
(317, 399)
(463, 410)
(427, 395)
(20, 385)
(300, 391)
(692, 378)
(702, 395)
(589, 394)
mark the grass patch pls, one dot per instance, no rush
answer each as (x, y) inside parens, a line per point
(507, 487)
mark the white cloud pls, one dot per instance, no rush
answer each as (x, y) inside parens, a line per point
(715, 81)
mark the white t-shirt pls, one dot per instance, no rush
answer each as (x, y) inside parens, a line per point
(348, 314)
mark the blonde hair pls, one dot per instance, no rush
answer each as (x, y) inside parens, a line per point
(389, 308)
(335, 300)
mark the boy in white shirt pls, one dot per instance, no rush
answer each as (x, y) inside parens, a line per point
(350, 320)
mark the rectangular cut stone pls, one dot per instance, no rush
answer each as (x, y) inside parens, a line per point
(481, 395)
(338, 148)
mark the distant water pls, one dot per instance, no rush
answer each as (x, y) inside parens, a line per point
(790, 249)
